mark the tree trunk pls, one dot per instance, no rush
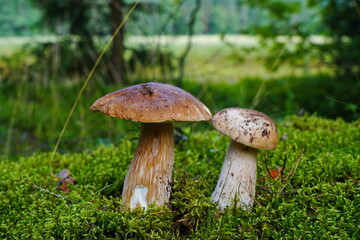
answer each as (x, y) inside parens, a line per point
(116, 63)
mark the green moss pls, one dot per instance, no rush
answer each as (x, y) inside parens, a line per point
(320, 199)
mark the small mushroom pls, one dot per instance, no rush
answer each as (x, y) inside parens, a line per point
(156, 106)
(249, 130)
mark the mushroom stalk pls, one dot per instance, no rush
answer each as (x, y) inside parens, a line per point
(150, 175)
(237, 181)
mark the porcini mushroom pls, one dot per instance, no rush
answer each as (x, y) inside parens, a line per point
(155, 106)
(249, 130)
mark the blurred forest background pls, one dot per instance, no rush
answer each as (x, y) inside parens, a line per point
(279, 57)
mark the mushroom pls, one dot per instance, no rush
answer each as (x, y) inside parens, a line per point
(155, 106)
(249, 130)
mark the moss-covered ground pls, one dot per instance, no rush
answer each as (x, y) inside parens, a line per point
(317, 195)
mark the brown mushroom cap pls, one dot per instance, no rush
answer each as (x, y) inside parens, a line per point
(249, 127)
(152, 102)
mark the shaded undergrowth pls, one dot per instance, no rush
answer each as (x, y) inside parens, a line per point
(32, 115)
(316, 197)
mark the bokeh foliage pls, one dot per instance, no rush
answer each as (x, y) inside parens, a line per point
(298, 21)
(287, 28)
(18, 18)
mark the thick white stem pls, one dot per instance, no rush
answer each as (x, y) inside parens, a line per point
(237, 181)
(149, 178)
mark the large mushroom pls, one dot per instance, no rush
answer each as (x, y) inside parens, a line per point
(249, 130)
(155, 106)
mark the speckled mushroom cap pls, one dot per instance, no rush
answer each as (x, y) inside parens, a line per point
(249, 127)
(152, 102)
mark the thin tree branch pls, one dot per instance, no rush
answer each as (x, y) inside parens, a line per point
(63, 197)
(88, 79)
(292, 171)
(356, 5)
(192, 20)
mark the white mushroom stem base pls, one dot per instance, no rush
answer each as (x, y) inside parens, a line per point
(237, 181)
(150, 175)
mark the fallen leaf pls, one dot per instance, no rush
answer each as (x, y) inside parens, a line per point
(275, 173)
(64, 179)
